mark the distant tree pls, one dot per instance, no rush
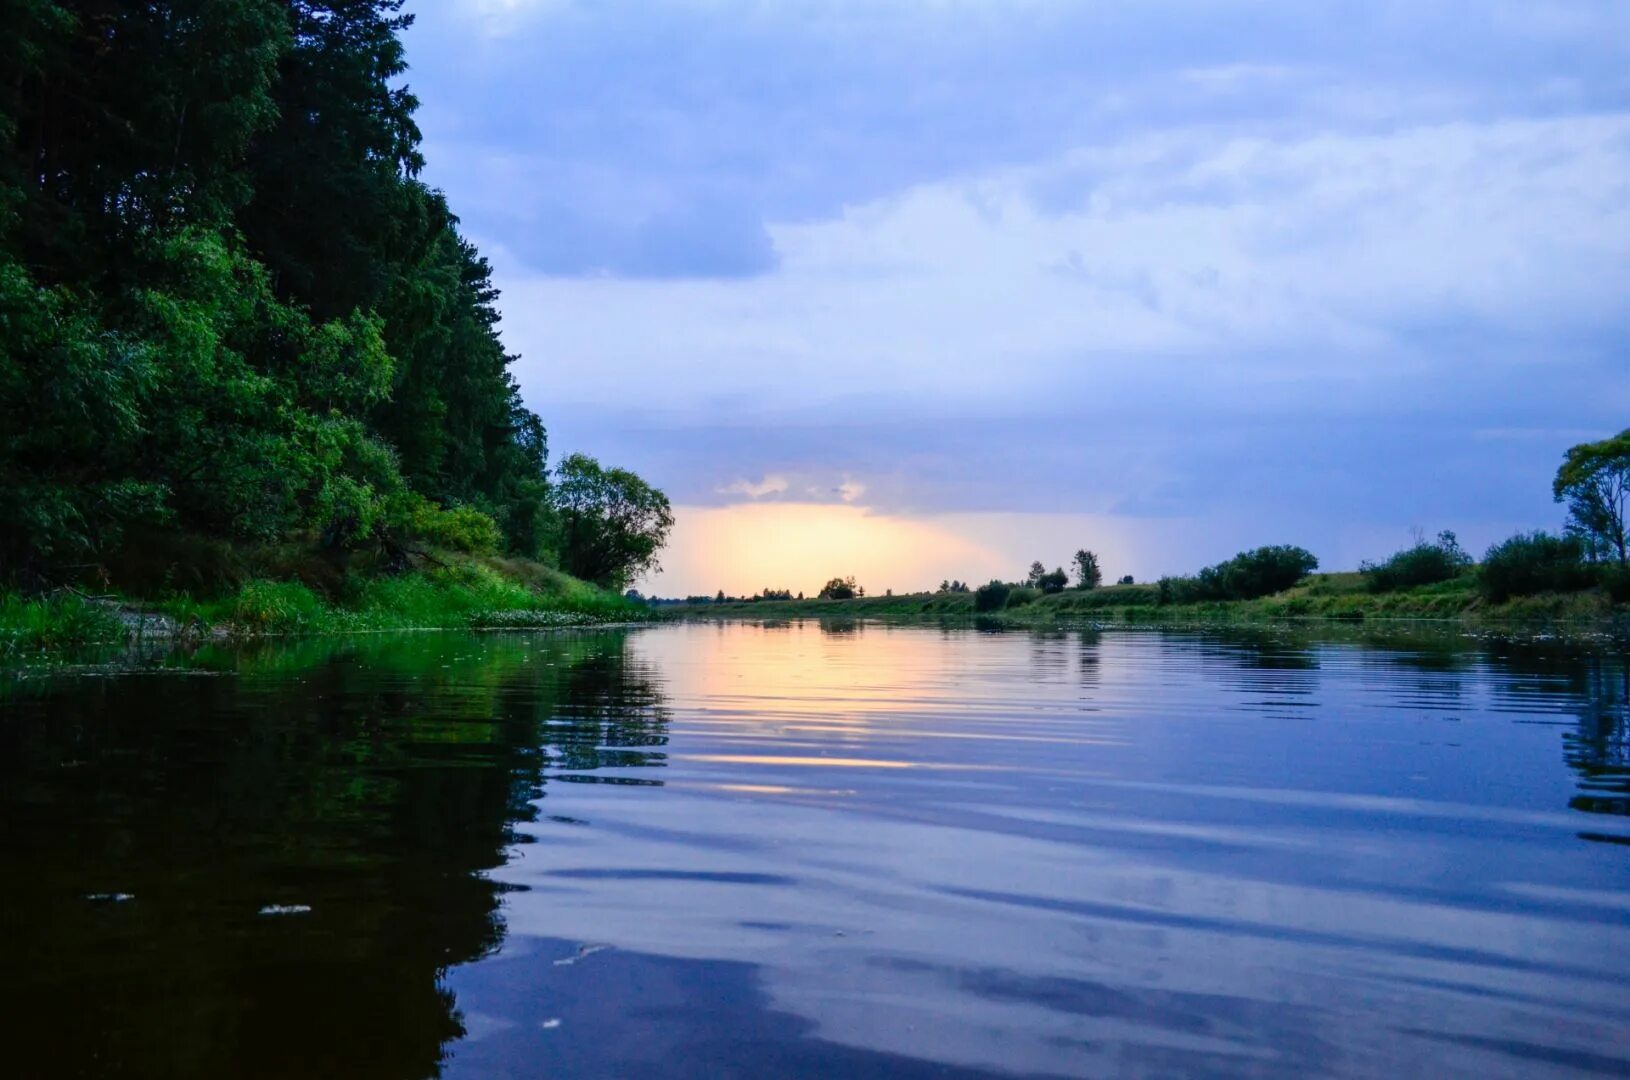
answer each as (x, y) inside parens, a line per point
(888, 592)
(1595, 482)
(634, 595)
(1037, 572)
(800, 594)
(1087, 573)
(945, 586)
(719, 599)
(611, 524)
(1053, 582)
(1126, 580)
(839, 589)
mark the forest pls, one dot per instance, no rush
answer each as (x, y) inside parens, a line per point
(231, 310)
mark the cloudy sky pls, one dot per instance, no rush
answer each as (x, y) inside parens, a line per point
(930, 288)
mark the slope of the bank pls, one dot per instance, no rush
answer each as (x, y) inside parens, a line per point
(446, 591)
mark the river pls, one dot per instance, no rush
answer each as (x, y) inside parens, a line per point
(818, 849)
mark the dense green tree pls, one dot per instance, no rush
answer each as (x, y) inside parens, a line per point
(1594, 480)
(229, 306)
(610, 523)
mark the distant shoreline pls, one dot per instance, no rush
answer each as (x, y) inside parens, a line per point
(1335, 597)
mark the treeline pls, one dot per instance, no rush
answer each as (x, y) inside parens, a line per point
(1591, 551)
(229, 305)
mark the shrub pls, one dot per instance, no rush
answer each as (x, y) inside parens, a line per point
(1530, 563)
(991, 597)
(1423, 564)
(1260, 572)
(1022, 595)
(1247, 576)
(1053, 582)
(460, 528)
(839, 589)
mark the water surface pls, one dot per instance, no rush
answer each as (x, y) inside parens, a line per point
(839, 849)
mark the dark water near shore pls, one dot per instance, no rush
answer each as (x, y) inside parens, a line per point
(839, 850)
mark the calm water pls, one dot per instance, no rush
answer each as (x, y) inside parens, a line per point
(821, 850)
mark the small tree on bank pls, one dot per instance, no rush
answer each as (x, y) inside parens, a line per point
(1087, 573)
(839, 589)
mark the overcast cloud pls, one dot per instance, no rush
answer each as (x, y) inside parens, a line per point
(1331, 269)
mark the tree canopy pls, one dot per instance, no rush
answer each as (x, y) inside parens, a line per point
(1594, 480)
(228, 305)
(611, 523)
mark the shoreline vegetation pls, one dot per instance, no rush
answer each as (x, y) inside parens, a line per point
(488, 593)
(1336, 597)
(251, 376)
(1581, 574)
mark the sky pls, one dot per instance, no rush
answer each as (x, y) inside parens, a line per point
(931, 288)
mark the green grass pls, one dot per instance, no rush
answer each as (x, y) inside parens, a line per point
(488, 593)
(30, 626)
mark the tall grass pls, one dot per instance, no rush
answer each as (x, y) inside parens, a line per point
(61, 621)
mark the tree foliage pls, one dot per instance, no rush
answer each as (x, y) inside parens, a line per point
(229, 306)
(1423, 564)
(1087, 573)
(1531, 563)
(1594, 480)
(1251, 574)
(841, 588)
(610, 524)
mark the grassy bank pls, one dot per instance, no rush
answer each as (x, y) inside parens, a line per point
(1341, 596)
(458, 593)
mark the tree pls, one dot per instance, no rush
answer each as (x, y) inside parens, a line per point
(839, 588)
(1037, 572)
(1087, 573)
(610, 524)
(1595, 482)
(1054, 582)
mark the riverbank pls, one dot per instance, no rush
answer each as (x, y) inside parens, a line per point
(450, 593)
(1338, 596)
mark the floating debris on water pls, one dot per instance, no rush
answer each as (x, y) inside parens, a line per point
(286, 909)
(582, 952)
(550, 1024)
(109, 897)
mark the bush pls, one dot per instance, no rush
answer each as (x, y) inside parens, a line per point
(1423, 564)
(1530, 563)
(1023, 595)
(992, 597)
(459, 528)
(1261, 572)
(1247, 576)
(839, 589)
(1053, 582)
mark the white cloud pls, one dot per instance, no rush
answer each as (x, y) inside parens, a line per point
(1292, 258)
(771, 485)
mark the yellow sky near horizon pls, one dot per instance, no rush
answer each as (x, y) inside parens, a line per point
(751, 546)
